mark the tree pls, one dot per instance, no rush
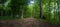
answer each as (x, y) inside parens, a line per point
(41, 13)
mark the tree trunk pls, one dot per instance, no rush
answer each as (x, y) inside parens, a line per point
(41, 14)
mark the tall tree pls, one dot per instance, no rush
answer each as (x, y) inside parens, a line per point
(41, 11)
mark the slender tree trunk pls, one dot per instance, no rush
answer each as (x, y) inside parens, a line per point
(22, 12)
(41, 14)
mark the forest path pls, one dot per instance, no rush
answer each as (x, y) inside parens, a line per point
(27, 22)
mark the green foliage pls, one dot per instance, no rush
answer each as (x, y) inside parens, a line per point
(50, 8)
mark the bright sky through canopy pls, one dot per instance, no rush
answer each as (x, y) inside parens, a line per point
(31, 2)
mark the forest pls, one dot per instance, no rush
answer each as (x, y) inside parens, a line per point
(48, 10)
(45, 9)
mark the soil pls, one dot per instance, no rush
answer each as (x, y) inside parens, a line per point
(27, 22)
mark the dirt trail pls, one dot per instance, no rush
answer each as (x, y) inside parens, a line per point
(28, 22)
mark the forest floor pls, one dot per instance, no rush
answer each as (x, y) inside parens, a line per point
(27, 22)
